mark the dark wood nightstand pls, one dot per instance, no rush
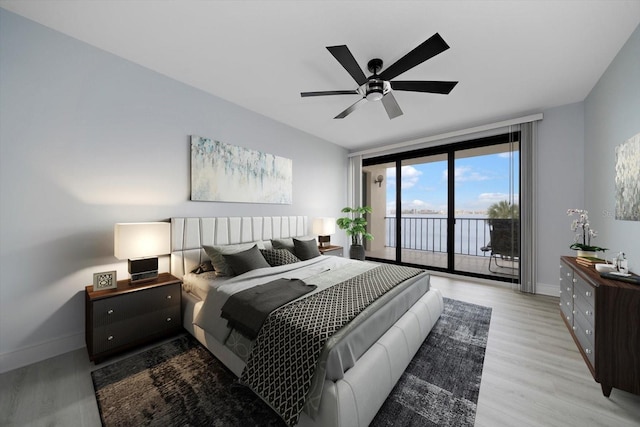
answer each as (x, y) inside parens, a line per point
(331, 250)
(125, 317)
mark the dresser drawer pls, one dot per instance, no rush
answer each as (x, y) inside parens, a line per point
(566, 278)
(587, 312)
(586, 345)
(566, 306)
(586, 327)
(584, 293)
(109, 310)
(123, 331)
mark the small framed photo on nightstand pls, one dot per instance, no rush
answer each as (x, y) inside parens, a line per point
(105, 280)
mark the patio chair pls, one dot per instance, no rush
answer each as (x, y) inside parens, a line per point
(504, 243)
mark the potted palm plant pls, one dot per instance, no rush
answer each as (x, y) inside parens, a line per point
(355, 226)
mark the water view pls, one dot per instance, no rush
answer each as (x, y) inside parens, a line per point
(428, 232)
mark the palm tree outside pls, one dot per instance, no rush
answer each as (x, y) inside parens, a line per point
(503, 209)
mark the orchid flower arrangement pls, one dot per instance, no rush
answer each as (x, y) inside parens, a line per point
(584, 232)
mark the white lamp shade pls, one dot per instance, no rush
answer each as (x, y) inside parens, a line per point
(141, 239)
(324, 226)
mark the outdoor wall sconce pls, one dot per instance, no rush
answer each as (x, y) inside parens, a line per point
(379, 180)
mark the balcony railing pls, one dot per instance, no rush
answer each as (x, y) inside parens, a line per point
(430, 234)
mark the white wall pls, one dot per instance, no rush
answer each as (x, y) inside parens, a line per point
(576, 160)
(612, 116)
(88, 139)
(559, 187)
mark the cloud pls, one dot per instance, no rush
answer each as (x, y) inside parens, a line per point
(484, 200)
(464, 174)
(497, 197)
(410, 176)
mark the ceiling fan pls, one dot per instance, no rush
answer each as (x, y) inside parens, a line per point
(380, 86)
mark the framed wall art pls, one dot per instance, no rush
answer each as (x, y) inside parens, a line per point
(226, 173)
(628, 179)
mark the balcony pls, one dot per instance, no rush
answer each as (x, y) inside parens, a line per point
(424, 242)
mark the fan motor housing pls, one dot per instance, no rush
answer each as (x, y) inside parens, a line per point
(374, 89)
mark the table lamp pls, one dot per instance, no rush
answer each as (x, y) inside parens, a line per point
(324, 228)
(141, 243)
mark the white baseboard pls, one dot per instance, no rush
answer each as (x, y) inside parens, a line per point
(39, 352)
(546, 289)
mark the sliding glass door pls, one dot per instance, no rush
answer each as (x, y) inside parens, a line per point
(487, 210)
(440, 207)
(424, 210)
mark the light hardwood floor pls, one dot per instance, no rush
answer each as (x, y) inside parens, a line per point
(533, 374)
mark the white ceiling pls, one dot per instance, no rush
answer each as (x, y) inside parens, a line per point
(511, 58)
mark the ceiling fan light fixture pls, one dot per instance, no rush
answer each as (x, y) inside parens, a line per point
(374, 96)
(375, 90)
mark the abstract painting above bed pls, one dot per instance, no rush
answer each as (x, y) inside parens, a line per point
(227, 173)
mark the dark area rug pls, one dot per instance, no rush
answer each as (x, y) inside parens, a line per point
(441, 384)
(179, 383)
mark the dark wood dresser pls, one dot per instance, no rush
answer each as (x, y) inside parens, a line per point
(603, 317)
(122, 318)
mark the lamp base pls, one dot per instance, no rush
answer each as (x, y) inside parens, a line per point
(324, 241)
(143, 270)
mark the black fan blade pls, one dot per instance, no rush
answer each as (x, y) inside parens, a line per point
(329, 92)
(346, 59)
(391, 105)
(424, 86)
(351, 109)
(430, 48)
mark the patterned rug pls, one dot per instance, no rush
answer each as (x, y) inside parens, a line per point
(180, 383)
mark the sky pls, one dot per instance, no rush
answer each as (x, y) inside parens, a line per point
(479, 182)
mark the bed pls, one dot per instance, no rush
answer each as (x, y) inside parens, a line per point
(382, 339)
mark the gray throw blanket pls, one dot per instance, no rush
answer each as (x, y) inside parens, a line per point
(247, 310)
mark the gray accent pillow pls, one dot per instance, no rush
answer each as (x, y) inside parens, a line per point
(305, 249)
(244, 261)
(276, 257)
(283, 244)
(216, 253)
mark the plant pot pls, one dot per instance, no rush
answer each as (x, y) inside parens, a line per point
(582, 253)
(356, 252)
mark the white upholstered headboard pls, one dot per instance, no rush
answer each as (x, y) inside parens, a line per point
(189, 234)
